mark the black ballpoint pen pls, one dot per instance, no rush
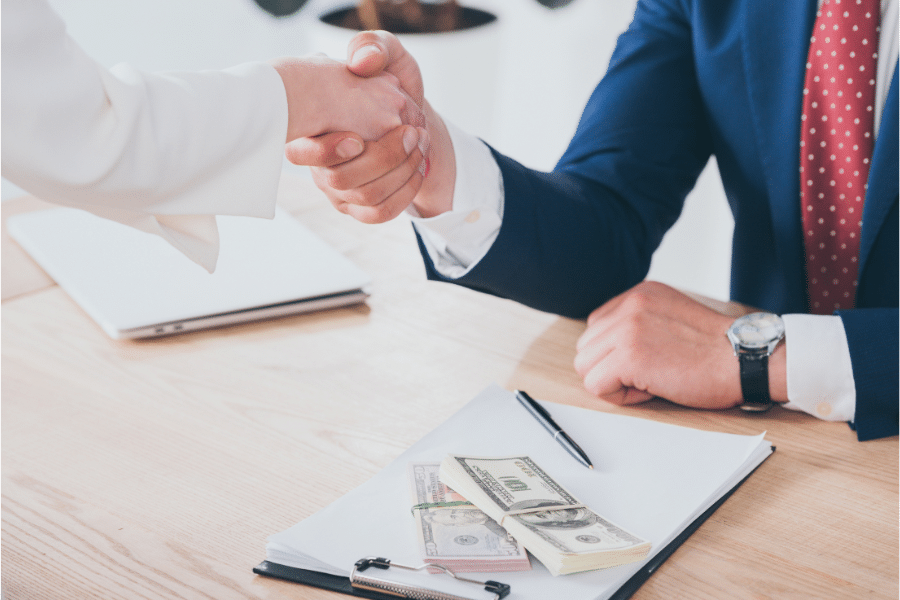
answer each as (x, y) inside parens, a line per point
(543, 417)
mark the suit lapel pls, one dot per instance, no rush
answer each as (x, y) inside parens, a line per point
(775, 44)
(880, 198)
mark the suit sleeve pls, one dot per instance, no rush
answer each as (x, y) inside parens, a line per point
(872, 336)
(573, 238)
(144, 149)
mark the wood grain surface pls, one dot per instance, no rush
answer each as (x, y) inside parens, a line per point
(156, 469)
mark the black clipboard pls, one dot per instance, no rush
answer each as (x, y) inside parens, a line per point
(342, 585)
(366, 587)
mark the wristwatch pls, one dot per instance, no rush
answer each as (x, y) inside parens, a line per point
(753, 338)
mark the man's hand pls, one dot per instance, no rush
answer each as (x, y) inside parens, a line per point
(373, 53)
(410, 165)
(653, 341)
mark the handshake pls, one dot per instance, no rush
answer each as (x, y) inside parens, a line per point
(373, 142)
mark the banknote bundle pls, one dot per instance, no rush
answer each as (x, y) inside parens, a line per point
(455, 534)
(565, 535)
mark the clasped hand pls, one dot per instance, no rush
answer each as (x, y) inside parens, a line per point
(374, 180)
(325, 96)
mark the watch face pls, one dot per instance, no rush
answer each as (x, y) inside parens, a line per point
(756, 330)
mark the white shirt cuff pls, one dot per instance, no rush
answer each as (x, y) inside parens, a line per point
(819, 370)
(456, 240)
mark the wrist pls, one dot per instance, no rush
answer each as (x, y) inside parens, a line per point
(778, 374)
(291, 76)
(305, 110)
(436, 194)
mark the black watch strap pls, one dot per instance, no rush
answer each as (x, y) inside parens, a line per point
(755, 382)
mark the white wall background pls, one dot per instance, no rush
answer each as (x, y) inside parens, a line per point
(548, 63)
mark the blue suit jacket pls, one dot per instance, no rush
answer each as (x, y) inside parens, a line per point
(688, 79)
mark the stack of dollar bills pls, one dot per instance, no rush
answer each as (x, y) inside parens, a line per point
(455, 534)
(565, 535)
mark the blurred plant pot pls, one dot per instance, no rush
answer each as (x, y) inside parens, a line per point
(459, 68)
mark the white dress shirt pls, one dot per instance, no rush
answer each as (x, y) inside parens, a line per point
(161, 152)
(819, 371)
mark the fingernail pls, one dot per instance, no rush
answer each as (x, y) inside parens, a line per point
(425, 167)
(410, 137)
(424, 141)
(365, 52)
(348, 148)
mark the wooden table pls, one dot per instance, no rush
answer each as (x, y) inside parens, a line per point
(156, 469)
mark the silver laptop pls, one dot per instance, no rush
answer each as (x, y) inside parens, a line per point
(134, 284)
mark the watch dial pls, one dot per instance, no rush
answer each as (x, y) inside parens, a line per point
(757, 330)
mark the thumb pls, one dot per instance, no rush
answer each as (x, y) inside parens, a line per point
(366, 58)
(325, 150)
(371, 52)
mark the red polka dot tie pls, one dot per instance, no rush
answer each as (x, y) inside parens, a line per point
(836, 146)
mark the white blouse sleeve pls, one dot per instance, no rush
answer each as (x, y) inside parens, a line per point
(160, 152)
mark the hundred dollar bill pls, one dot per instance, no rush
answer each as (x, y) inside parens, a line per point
(454, 533)
(562, 533)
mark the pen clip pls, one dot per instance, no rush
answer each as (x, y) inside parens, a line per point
(538, 412)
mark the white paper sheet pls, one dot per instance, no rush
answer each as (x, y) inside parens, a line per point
(651, 478)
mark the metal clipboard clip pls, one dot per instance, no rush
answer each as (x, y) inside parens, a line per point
(403, 590)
